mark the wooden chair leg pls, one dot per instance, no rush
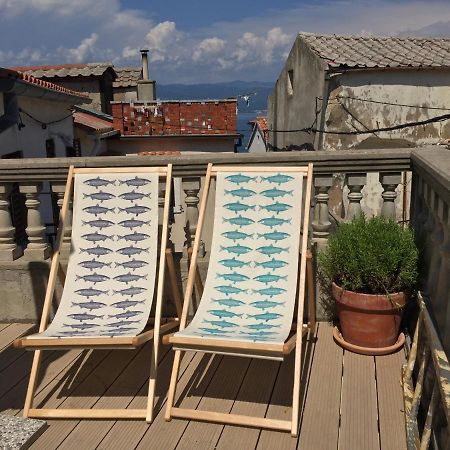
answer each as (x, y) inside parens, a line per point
(152, 381)
(198, 278)
(33, 382)
(177, 296)
(173, 385)
(311, 291)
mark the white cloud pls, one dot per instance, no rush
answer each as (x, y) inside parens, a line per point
(83, 52)
(208, 47)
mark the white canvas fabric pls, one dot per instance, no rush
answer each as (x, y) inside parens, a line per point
(251, 285)
(110, 278)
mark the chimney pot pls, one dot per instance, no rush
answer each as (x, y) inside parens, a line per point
(145, 74)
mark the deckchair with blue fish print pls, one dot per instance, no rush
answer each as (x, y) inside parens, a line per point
(256, 277)
(111, 274)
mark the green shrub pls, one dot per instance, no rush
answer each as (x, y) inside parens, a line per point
(371, 256)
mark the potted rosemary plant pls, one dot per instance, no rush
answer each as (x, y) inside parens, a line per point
(371, 265)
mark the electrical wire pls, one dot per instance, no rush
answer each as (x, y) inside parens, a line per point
(40, 122)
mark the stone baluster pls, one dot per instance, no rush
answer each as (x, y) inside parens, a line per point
(9, 251)
(38, 248)
(355, 183)
(321, 221)
(59, 190)
(389, 181)
(191, 188)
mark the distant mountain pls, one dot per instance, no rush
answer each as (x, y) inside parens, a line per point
(219, 91)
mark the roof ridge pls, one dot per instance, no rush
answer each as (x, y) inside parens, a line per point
(374, 36)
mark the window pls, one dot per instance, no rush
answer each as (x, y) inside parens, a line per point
(290, 82)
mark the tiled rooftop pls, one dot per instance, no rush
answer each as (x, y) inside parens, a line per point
(127, 76)
(66, 70)
(92, 122)
(262, 123)
(372, 51)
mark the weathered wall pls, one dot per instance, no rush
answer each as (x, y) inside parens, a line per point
(125, 94)
(257, 144)
(299, 108)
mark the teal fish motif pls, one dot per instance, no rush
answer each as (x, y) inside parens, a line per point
(262, 326)
(265, 316)
(265, 304)
(271, 264)
(241, 192)
(228, 302)
(239, 178)
(274, 236)
(221, 313)
(236, 235)
(269, 278)
(238, 207)
(276, 207)
(278, 178)
(233, 263)
(234, 277)
(241, 221)
(228, 290)
(238, 249)
(215, 331)
(258, 333)
(271, 250)
(270, 291)
(275, 192)
(272, 222)
(221, 323)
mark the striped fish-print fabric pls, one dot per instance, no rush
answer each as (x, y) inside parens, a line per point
(111, 272)
(251, 284)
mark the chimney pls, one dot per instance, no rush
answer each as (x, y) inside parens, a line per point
(146, 88)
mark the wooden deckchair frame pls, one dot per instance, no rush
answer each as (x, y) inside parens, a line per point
(97, 343)
(243, 347)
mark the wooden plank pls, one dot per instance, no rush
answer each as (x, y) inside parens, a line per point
(4, 325)
(390, 401)
(12, 332)
(252, 400)
(323, 398)
(219, 397)
(280, 406)
(359, 427)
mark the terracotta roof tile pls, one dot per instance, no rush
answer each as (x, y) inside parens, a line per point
(127, 76)
(92, 122)
(67, 70)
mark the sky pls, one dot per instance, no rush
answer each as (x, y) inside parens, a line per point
(198, 41)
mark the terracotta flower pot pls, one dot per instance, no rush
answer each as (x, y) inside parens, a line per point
(369, 320)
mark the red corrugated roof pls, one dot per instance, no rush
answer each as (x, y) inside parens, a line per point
(90, 121)
(262, 123)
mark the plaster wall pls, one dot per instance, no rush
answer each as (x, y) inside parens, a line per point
(257, 143)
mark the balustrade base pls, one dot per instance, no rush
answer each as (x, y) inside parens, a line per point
(10, 254)
(37, 254)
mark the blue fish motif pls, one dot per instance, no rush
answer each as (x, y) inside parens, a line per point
(131, 291)
(270, 291)
(241, 221)
(272, 264)
(97, 251)
(98, 223)
(228, 290)
(262, 326)
(221, 323)
(238, 207)
(136, 210)
(91, 305)
(278, 178)
(97, 210)
(228, 302)
(238, 249)
(136, 181)
(125, 315)
(97, 182)
(133, 196)
(275, 192)
(97, 237)
(130, 251)
(265, 304)
(72, 332)
(274, 236)
(272, 222)
(94, 278)
(236, 235)
(220, 313)
(258, 333)
(132, 223)
(241, 192)
(239, 178)
(265, 316)
(234, 277)
(214, 331)
(276, 207)
(121, 323)
(271, 250)
(233, 263)
(100, 196)
(93, 264)
(125, 304)
(269, 278)
(83, 316)
(133, 264)
(129, 277)
(118, 331)
(90, 292)
(134, 237)
(81, 326)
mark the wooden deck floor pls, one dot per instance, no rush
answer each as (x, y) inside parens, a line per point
(348, 401)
